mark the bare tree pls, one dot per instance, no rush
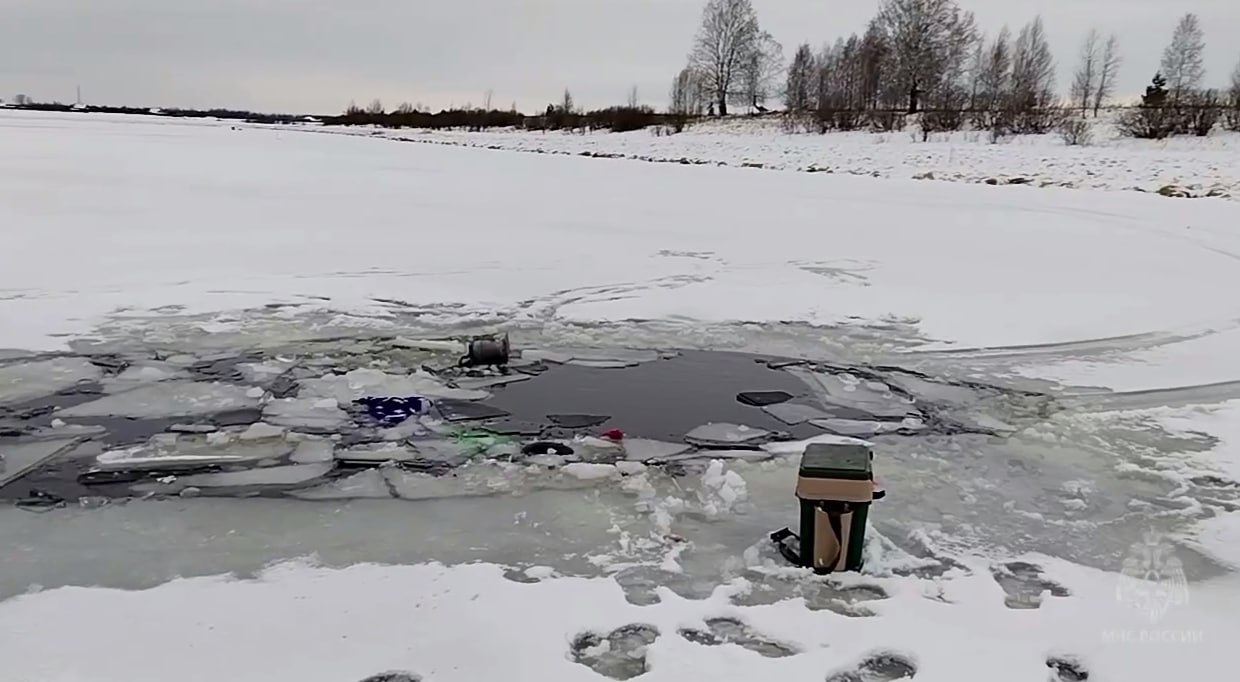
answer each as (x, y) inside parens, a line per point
(873, 62)
(1085, 81)
(1231, 117)
(760, 72)
(1182, 63)
(375, 107)
(724, 45)
(994, 79)
(566, 104)
(633, 97)
(1108, 72)
(685, 94)
(799, 90)
(930, 39)
(486, 99)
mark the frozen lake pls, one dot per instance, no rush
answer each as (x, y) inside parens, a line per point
(190, 313)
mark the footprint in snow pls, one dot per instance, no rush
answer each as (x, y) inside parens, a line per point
(731, 631)
(879, 667)
(619, 654)
(1066, 669)
(394, 676)
(1024, 584)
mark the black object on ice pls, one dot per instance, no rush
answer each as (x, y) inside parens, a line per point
(486, 351)
(763, 398)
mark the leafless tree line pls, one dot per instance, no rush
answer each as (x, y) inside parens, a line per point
(928, 57)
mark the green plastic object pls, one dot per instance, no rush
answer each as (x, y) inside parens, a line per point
(841, 461)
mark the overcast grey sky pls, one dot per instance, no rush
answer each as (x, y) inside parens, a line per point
(317, 55)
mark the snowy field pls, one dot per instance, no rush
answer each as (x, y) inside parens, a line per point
(1197, 167)
(1093, 540)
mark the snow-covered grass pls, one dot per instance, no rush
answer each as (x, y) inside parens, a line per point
(1200, 165)
(118, 218)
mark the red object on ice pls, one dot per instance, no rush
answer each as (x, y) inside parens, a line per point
(614, 434)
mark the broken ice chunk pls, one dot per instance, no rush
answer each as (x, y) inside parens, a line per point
(448, 452)
(365, 382)
(856, 427)
(598, 450)
(319, 415)
(726, 434)
(794, 413)
(167, 399)
(144, 373)
(798, 447)
(461, 410)
(602, 358)
(277, 476)
(644, 449)
(377, 454)
(577, 421)
(259, 431)
(480, 383)
(170, 452)
(586, 471)
(313, 450)
(264, 372)
(193, 428)
(16, 460)
(25, 381)
(365, 484)
(848, 391)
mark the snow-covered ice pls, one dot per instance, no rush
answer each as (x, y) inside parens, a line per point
(200, 225)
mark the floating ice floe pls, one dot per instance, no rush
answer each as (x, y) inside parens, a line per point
(16, 460)
(365, 382)
(169, 451)
(717, 434)
(377, 454)
(370, 483)
(140, 374)
(319, 415)
(645, 449)
(310, 450)
(857, 427)
(167, 399)
(617, 358)
(24, 381)
(797, 447)
(847, 390)
(259, 477)
(794, 413)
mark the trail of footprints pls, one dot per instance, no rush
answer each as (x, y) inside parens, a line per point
(621, 653)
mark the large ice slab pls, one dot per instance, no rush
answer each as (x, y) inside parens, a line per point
(259, 477)
(368, 484)
(24, 381)
(365, 382)
(322, 415)
(16, 460)
(171, 452)
(143, 373)
(167, 399)
(848, 390)
(716, 434)
(797, 447)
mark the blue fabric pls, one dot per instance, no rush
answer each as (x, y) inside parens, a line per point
(391, 411)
